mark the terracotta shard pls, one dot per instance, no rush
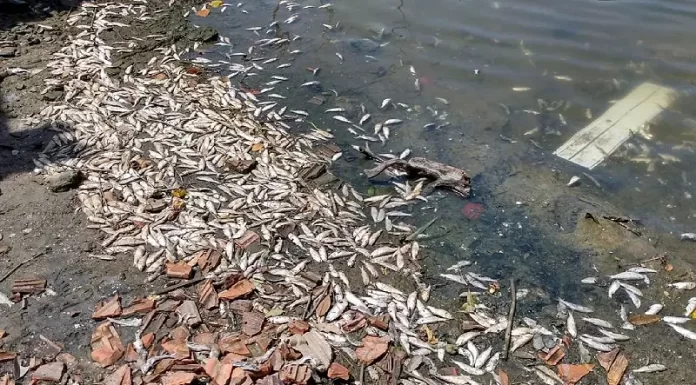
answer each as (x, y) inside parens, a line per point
(372, 349)
(617, 369)
(238, 290)
(189, 313)
(179, 270)
(298, 327)
(208, 296)
(248, 239)
(178, 378)
(380, 322)
(606, 359)
(50, 372)
(571, 374)
(110, 308)
(296, 374)
(338, 371)
(252, 322)
(122, 376)
(139, 306)
(208, 260)
(554, 356)
(107, 347)
(177, 348)
(644, 319)
(29, 286)
(323, 306)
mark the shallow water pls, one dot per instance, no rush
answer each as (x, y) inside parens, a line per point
(606, 48)
(473, 53)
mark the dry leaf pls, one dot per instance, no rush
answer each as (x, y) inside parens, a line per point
(216, 4)
(257, 147)
(617, 370)
(160, 76)
(7, 356)
(644, 319)
(571, 374)
(504, 379)
(323, 306)
(372, 349)
(338, 371)
(668, 267)
(203, 12)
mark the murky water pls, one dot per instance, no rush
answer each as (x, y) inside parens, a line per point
(473, 53)
(572, 58)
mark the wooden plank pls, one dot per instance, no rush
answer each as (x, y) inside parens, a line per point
(594, 143)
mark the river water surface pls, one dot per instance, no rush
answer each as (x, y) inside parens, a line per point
(493, 87)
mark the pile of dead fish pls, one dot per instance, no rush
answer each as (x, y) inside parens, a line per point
(182, 173)
(200, 181)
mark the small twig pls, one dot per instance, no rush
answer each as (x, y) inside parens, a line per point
(362, 374)
(511, 317)
(180, 285)
(421, 229)
(17, 266)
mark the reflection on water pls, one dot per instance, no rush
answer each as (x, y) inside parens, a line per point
(489, 86)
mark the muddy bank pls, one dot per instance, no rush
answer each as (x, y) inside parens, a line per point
(43, 231)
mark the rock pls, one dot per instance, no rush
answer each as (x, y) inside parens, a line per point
(202, 34)
(363, 46)
(8, 51)
(52, 96)
(64, 181)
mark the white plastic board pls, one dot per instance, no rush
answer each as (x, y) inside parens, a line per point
(594, 143)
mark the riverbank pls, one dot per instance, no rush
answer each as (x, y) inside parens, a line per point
(189, 174)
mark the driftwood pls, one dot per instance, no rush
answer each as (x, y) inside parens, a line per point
(444, 176)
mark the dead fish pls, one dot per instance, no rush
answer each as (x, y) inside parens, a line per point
(392, 122)
(629, 275)
(309, 84)
(683, 285)
(596, 345)
(364, 119)
(342, 119)
(598, 322)
(652, 368)
(675, 320)
(340, 57)
(576, 307)
(684, 332)
(615, 336)
(385, 103)
(570, 325)
(613, 288)
(468, 369)
(654, 309)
